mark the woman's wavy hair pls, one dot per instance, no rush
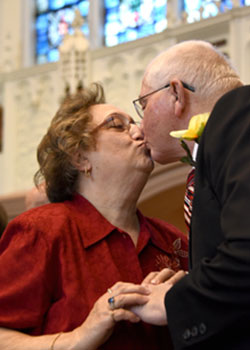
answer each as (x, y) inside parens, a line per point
(70, 130)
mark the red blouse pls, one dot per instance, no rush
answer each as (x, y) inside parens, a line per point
(58, 259)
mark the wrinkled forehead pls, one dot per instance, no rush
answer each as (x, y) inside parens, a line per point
(101, 111)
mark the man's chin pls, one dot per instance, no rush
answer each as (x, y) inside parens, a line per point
(158, 157)
(162, 158)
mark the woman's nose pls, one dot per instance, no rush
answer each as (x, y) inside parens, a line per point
(136, 132)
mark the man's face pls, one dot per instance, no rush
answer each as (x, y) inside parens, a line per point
(159, 119)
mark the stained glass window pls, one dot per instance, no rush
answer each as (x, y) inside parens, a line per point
(53, 21)
(208, 8)
(127, 20)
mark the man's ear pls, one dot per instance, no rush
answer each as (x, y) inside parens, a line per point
(179, 93)
(81, 162)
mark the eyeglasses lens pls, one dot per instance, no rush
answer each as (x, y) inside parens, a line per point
(117, 122)
(138, 109)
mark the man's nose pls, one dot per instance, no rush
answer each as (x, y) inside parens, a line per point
(141, 125)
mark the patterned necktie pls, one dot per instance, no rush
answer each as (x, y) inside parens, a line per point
(188, 199)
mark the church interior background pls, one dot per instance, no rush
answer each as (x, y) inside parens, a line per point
(50, 46)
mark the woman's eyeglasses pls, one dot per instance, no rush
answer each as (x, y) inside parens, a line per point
(117, 122)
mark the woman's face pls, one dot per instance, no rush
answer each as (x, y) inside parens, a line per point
(120, 144)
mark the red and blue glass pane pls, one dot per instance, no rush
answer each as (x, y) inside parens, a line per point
(53, 20)
(127, 20)
(192, 7)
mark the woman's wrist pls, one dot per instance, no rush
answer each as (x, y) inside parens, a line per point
(84, 338)
(89, 336)
(65, 341)
(54, 340)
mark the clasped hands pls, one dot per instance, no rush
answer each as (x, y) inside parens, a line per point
(129, 302)
(146, 301)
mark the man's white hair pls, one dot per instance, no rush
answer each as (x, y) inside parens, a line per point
(197, 63)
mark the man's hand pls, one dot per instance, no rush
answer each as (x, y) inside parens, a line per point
(154, 311)
(157, 277)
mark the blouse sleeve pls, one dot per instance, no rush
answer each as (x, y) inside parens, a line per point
(25, 276)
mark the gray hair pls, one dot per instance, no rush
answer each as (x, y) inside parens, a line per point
(197, 63)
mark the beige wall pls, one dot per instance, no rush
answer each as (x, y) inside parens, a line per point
(168, 206)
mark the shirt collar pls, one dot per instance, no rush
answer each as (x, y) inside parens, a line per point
(159, 235)
(93, 226)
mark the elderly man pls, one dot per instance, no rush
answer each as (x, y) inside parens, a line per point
(210, 306)
(185, 80)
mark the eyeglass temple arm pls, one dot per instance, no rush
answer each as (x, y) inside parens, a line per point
(189, 87)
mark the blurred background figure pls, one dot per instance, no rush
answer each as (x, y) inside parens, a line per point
(35, 197)
(3, 219)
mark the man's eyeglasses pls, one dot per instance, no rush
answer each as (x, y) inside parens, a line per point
(116, 121)
(138, 105)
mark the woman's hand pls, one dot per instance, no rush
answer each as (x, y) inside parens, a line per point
(94, 331)
(101, 320)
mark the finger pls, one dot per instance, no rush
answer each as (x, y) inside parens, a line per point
(178, 276)
(124, 288)
(162, 276)
(125, 315)
(111, 302)
(150, 277)
(127, 300)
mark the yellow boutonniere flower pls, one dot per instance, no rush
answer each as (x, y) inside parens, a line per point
(193, 133)
(195, 128)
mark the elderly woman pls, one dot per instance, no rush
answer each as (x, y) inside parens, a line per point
(59, 263)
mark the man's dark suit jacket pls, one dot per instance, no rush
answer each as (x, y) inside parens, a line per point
(210, 307)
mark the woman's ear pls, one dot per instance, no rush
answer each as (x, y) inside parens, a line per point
(178, 91)
(81, 162)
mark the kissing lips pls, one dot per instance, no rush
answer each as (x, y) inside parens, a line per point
(146, 149)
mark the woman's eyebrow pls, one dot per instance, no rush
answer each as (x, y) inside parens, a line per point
(115, 114)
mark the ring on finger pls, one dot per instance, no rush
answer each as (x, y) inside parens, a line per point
(111, 302)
